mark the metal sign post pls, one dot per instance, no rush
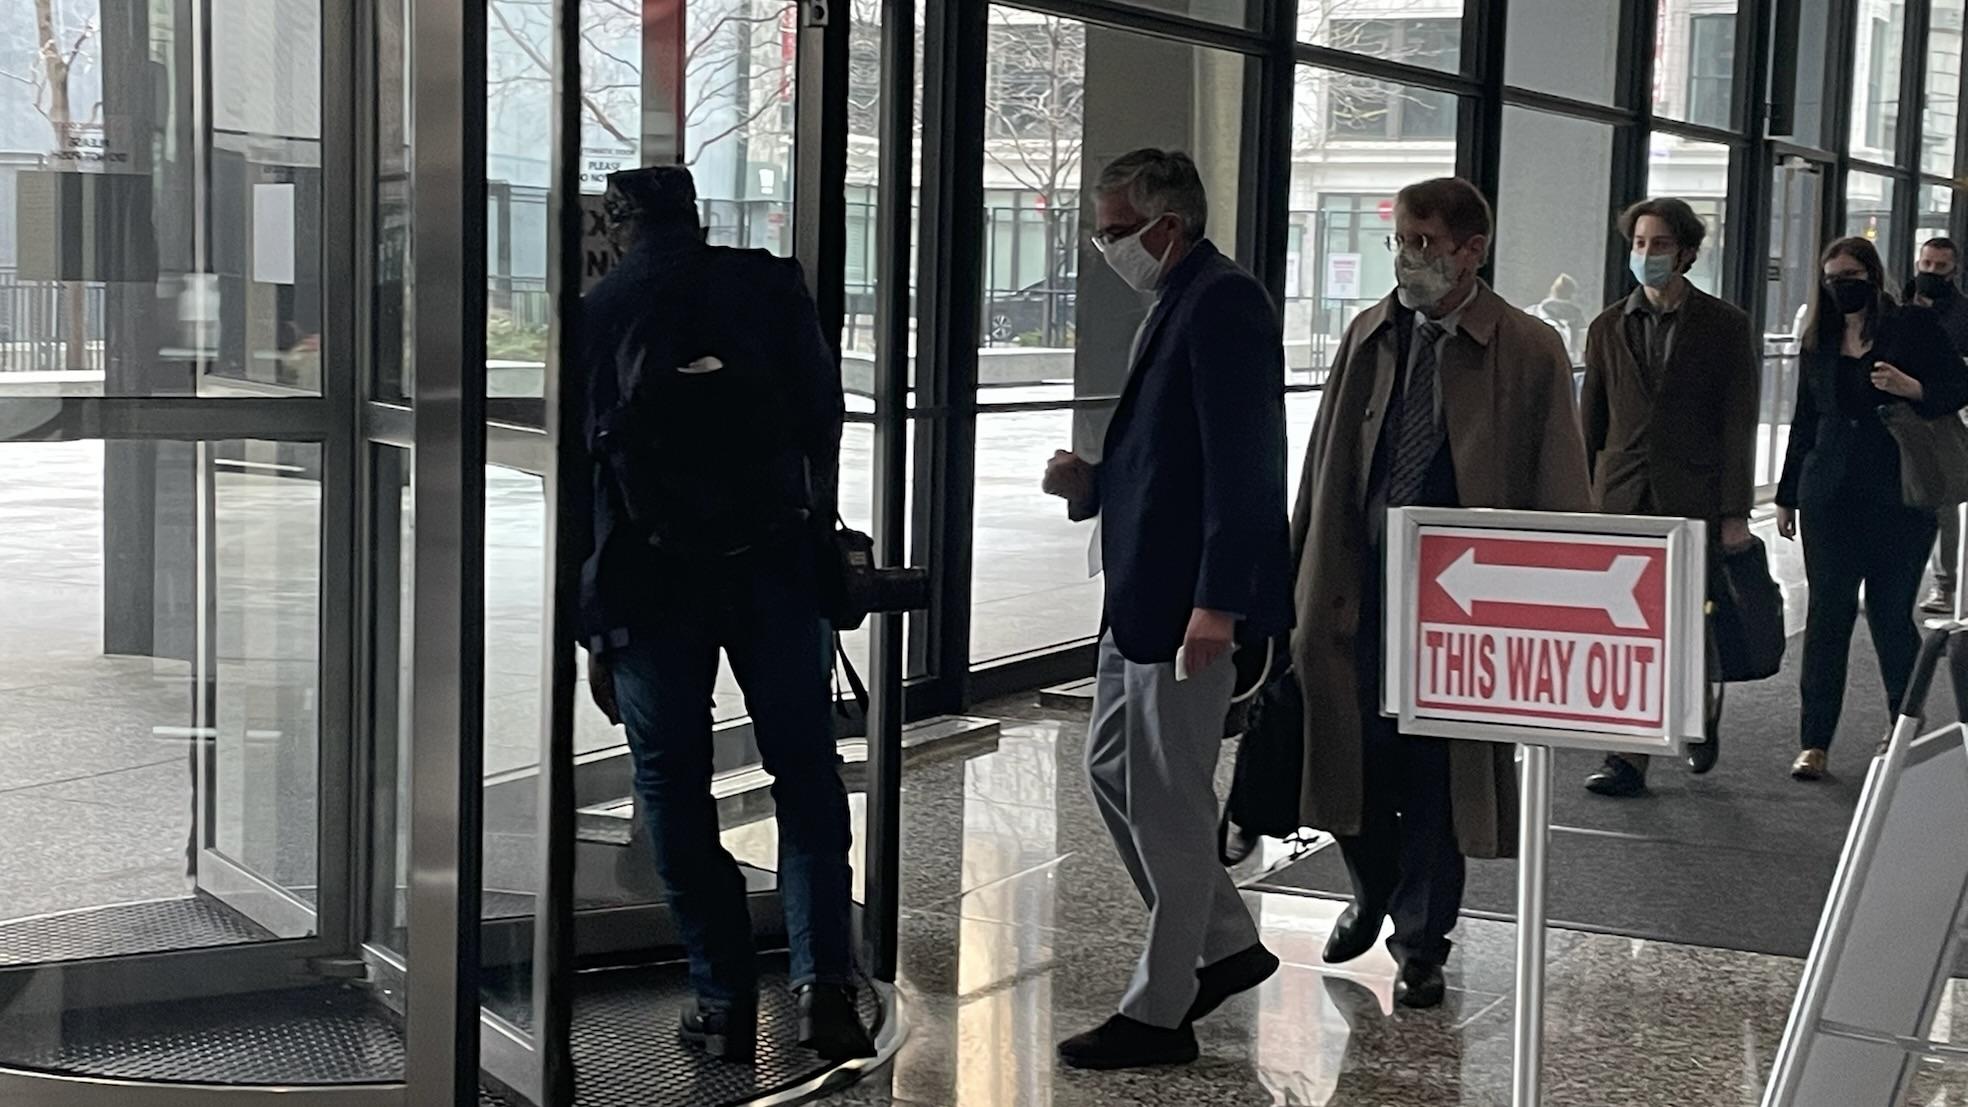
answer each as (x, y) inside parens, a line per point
(1533, 839)
(1547, 631)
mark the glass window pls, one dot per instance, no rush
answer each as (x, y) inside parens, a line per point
(1698, 60)
(736, 136)
(1235, 13)
(1057, 324)
(1552, 222)
(1029, 588)
(1564, 48)
(1342, 205)
(859, 340)
(1814, 123)
(1697, 172)
(147, 251)
(1936, 212)
(1876, 85)
(1869, 212)
(1366, 109)
(1942, 105)
(1424, 33)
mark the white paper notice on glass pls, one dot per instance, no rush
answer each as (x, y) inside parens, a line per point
(273, 233)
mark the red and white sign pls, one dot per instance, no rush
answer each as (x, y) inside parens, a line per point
(1555, 630)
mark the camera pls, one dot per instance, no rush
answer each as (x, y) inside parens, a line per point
(860, 588)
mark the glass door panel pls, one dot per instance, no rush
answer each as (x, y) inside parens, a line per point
(159, 793)
(1797, 207)
(261, 752)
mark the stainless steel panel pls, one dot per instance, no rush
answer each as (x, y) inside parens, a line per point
(446, 755)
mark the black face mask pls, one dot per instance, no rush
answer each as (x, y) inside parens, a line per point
(1934, 287)
(1851, 294)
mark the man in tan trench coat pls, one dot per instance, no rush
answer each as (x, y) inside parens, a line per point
(1441, 395)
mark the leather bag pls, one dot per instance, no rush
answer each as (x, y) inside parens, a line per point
(1933, 457)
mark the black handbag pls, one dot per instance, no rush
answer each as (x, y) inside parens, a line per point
(1745, 614)
(1933, 457)
(1264, 785)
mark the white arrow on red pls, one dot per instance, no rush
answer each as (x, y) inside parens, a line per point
(1469, 582)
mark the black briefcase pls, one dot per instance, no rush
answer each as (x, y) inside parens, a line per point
(1745, 614)
(1264, 786)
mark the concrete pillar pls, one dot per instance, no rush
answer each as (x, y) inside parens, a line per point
(1194, 103)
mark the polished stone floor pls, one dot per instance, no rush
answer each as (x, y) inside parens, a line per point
(1021, 928)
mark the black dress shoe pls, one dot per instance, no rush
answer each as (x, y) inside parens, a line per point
(1238, 843)
(1239, 972)
(1123, 1043)
(830, 1023)
(1618, 778)
(1353, 935)
(1421, 986)
(1702, 755)
(727, 1031)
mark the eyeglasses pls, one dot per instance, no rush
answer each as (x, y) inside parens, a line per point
(1417, 243)
(1104, 239)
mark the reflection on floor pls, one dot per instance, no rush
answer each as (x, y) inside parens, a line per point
(1020, 928)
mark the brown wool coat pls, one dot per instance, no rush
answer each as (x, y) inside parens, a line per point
(1513, 434)
(1696, 424)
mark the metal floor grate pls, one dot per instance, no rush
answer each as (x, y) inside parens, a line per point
(625, 1049)
(196, 922)
(324, 1034)
(626, 1052)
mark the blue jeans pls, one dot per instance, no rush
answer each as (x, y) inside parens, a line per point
(781, 651)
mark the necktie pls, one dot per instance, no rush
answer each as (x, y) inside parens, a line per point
(1418, 434)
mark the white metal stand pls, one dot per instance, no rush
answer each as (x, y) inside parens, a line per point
(1533, 840)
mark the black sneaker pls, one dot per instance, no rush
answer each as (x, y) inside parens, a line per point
(1123, 1043)
(727, 1031)
(830, 1023)
(1239, 972)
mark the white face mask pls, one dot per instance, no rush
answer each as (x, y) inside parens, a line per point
(1422, 281)
(1131, 261)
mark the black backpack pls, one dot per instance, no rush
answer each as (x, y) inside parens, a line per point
(699, 437)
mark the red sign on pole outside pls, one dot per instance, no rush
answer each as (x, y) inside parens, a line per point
(1565, 631)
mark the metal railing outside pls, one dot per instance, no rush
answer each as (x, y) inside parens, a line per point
(35, 322)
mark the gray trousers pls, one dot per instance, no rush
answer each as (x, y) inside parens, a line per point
(1151, 760)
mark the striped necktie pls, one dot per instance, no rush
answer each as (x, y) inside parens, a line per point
(1418, 433)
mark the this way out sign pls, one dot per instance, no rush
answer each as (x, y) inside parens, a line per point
(1570, 630)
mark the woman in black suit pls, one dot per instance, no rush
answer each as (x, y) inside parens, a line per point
(1859, 352)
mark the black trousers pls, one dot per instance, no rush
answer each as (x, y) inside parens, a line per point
(1404, 862)
(1848, 543)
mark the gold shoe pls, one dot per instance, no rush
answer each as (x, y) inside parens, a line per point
(1810, 765)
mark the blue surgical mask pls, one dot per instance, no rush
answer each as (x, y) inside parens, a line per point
(1652, 270)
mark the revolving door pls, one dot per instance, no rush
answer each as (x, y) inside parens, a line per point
(299, 792)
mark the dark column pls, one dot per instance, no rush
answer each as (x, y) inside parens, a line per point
(149, 530)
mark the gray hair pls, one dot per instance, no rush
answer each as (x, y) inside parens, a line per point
(1156, 182)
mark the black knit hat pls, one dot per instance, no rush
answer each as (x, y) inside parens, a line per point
(656, 194)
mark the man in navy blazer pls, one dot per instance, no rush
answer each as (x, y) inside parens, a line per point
(1193, 539)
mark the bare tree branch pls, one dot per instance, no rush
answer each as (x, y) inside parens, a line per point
(533, 54)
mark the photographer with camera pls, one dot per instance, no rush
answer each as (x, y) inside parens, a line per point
(713, 429)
